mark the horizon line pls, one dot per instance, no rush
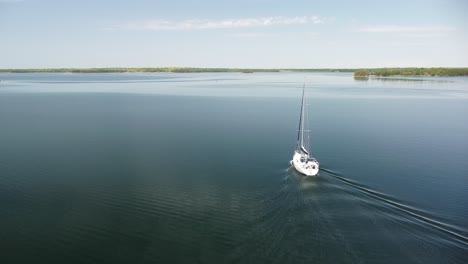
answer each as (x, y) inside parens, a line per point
(239, 68)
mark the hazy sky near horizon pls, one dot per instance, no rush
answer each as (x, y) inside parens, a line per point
(241, 33)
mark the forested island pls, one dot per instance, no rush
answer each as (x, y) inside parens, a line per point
(384, 72)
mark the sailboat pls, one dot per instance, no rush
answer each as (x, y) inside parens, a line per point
(303, 160)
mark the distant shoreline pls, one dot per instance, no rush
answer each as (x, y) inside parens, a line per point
(164, 69)
(358, 73)
(410, 72)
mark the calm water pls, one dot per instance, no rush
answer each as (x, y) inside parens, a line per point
(194, 168)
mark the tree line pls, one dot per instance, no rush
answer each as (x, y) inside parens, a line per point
(164, 69)
(362, 73)
(358, 73)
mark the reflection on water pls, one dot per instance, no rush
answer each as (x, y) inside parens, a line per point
(321, 85)
(412, 79)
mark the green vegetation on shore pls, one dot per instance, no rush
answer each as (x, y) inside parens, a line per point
(365, 73)
(361, 74)
(358, 73)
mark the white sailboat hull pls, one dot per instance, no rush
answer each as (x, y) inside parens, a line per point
(304, 166)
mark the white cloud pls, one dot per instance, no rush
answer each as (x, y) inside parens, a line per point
(249, 35)
(199, 24)
(404, 29)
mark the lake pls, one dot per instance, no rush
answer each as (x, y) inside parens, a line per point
(194, 168)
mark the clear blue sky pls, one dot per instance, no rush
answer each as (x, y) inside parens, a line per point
(241, 33)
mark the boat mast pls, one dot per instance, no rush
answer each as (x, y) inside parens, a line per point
(306, 122)
(303, 115)
(300, 132)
